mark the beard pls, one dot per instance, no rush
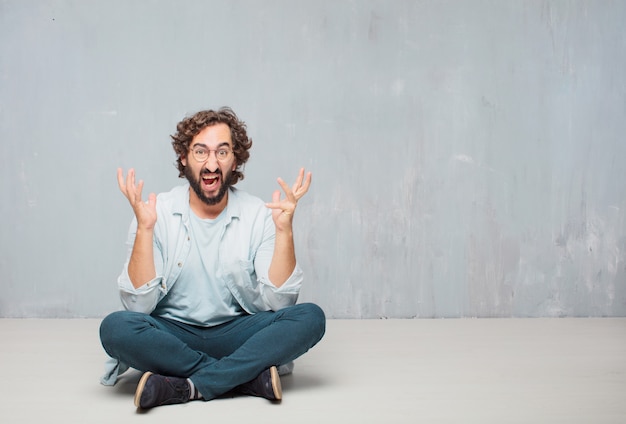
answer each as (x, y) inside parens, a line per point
(196, 186)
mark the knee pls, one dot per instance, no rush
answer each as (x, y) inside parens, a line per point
(315, 318)
(114, 328)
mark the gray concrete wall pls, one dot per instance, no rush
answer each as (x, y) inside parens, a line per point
(468, 156)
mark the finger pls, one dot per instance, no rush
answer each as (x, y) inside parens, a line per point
(130, 179)
(138, 191)
(133, 190)
(275, 203)
(304, 188)
(152, 200)
(120, 180)
(286, 189)
(123, 182)
(298, 182)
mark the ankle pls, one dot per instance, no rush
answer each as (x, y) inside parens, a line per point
(194, 393)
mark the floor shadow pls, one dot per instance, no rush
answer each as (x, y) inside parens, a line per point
(300, 382)
(127, 382)
(294, 382)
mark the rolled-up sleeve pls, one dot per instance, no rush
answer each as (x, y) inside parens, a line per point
(286, 295)
(144, 298)
(274, 297)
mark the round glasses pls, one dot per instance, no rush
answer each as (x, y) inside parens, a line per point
(201, 154)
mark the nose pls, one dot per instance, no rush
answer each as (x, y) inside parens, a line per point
(211, 161)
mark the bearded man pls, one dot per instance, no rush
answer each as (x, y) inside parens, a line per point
(210, 284)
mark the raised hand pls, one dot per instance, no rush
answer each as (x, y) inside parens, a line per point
(283, 209)
(145, 212)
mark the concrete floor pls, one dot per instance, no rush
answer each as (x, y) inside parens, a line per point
(363, 371)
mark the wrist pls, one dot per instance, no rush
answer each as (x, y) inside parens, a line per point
(284, 232)
(145, 230)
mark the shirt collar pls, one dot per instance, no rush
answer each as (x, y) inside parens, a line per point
(181, 204)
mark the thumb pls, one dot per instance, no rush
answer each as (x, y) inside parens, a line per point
(152, 200)
(276, 196)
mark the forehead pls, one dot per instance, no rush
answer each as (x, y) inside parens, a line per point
(213, 136)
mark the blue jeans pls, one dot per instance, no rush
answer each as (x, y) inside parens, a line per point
(216, 359)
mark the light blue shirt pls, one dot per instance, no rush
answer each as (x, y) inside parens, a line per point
(246, 246)
(211, 303)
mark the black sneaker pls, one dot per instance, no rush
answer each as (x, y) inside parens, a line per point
(266, 385)
(156, 390)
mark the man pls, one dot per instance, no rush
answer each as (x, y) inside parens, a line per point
(211, 280)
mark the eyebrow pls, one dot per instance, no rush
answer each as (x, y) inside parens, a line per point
(222, 144)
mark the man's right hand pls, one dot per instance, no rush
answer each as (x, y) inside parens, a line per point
(145, 212)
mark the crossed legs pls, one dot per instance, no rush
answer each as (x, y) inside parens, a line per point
(216, 359)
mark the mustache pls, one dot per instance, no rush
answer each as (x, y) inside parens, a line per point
(206, 171)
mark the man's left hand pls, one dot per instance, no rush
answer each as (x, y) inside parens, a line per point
(283, 209)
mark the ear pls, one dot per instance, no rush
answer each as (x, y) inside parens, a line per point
(183, 160)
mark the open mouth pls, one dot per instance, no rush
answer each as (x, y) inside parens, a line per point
(210, 182)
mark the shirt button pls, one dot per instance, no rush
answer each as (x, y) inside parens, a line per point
(180, 264)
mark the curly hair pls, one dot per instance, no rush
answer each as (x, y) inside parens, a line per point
(189, 127)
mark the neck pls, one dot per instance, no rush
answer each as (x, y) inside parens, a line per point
(204, 211)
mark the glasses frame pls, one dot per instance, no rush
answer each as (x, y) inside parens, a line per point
(226, 149)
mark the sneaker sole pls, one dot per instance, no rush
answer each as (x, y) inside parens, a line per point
(140, 387)
(276, 386)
